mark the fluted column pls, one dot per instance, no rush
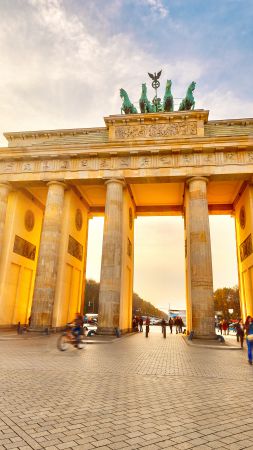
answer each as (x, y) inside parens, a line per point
(110, 279)
(45, 282)
(4, 194)
(198, 259)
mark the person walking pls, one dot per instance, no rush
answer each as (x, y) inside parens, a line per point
(249, 337)
(171, 323)
(224, 326)
(176, 321)
(239, 327)
(147, 325)
(180, 325)
(163, 324)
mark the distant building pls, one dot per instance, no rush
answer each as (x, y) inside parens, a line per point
(178, 312)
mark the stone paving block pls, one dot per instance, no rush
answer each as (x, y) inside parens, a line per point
(101, 443)
(64, 445)
(87, 446)
(167, 445)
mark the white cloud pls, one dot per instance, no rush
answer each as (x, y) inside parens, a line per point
(157, 6)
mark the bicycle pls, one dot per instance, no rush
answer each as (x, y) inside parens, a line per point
(68, 338)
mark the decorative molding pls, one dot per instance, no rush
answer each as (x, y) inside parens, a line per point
(246, 248)
(75, 248)
(162, 130)
(144, 160)
(24, 248)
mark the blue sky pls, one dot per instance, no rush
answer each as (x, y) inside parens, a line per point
(64, 61)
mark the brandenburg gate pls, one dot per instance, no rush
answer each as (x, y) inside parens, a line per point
(164, 163)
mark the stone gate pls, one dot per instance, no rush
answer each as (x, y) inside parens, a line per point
(53, 182)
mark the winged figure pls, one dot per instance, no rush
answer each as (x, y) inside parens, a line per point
(155, 76)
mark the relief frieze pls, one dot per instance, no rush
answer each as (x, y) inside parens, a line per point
(75, 248)
(9, 167)
(27, 167)
(187, 159)
(208, 158)
(24, 248)
(165, 161)
(149, 161)
(84, 163)
(145, 161)
(230, 157)
(246, 248)
(124, 162)
(105, 163)
(162, 130)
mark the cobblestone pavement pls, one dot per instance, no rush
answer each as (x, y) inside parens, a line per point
(128, 394)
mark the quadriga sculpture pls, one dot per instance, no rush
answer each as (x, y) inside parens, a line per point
(145, 105)
(127, 106)
(188, 102)
(168, 102)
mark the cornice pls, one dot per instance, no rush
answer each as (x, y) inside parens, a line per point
(197, 144)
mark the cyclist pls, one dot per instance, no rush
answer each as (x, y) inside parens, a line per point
(78, 326)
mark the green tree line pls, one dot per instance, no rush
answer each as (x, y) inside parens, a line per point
(140, 306)
(225, 299)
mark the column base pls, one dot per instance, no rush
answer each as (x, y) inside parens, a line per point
(109, 331)
(211, 336)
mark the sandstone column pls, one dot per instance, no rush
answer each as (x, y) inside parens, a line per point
(4, 193)
(110, 280)
(45, 282)
(199, 279)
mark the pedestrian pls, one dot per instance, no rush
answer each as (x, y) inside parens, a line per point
(180, 324)
(171, 323)
(249, 337)
(176, 321)
(141, 324)
(224, 326)
(147, 325)
(239, 327)
(163, 324)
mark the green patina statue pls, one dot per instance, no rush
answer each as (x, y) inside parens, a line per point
(168, 102)
(167, 105)
(145, 105)
(158, 107)
(188, 102)
(127, 106)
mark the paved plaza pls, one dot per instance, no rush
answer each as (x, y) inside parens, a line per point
(130, 393)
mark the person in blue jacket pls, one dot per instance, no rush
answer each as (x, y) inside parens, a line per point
(249, 337)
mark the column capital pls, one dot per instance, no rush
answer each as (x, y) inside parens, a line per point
(116, 180)
(57, 183)
(197, 178)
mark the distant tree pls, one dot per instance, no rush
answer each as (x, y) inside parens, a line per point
(91, 297)
(140, 306)
(225, 299)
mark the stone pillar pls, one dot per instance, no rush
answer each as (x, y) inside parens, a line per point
(199, 279)
(111, 265)
(45, 282)
(4, 194)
